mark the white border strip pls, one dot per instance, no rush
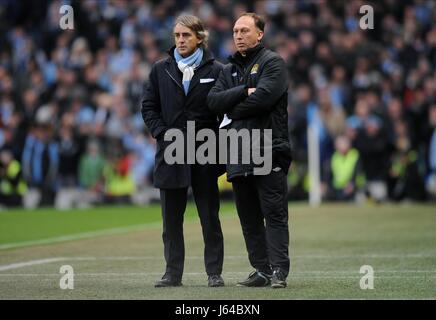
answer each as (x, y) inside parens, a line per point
(78, 236)
(29, 263)
(138, 258)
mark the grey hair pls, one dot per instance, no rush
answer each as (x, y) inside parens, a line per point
(196, 25)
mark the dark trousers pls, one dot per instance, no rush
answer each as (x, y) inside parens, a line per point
(206, 196)
(262, 207)
(12, 200)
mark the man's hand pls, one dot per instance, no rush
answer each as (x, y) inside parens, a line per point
(349, 189)
(251, 90)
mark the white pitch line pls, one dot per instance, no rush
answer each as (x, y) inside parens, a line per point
(76, 236)
(29, 263)
(139, 258)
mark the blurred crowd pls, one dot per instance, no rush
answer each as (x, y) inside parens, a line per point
(71, 132)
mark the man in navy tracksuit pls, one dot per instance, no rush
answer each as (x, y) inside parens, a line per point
(252, 93)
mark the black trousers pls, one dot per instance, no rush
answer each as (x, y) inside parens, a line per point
(206, 196)
(262, 207)
(12, 200)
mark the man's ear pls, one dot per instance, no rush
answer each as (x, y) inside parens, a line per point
(260, 36)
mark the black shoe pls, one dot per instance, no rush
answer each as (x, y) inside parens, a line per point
(215, 281)
(256, 279)
(278, 279)
(168, 281)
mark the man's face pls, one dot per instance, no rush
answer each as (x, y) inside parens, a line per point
(245, 34)
(342, 145)
(186, 40)
(432, 115)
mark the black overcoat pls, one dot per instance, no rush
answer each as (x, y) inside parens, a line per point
(165, 106)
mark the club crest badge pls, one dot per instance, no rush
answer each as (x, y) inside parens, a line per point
(254, 69)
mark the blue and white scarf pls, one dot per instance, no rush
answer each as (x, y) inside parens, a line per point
(187, 65)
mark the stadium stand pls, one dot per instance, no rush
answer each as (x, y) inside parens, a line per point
(67, 94)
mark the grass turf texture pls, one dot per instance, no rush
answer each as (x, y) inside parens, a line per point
(117, 253)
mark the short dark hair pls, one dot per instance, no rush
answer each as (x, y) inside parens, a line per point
(258, 20)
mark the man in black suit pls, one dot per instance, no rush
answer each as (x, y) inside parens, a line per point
(177, 93)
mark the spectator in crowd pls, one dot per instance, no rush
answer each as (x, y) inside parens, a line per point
(431, 176)
(142, 147)
(301, 100)
(90, 174)
(373, 145)
(329, 122)
(344, 172)
(404, 181)
(119, 185)
(41, 163)
(12, 185)
(69, 152)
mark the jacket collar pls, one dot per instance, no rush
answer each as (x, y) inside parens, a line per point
(207, 56)
(176, 75)
(250, 55)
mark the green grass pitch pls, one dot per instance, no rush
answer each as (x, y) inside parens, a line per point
(117, 253)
